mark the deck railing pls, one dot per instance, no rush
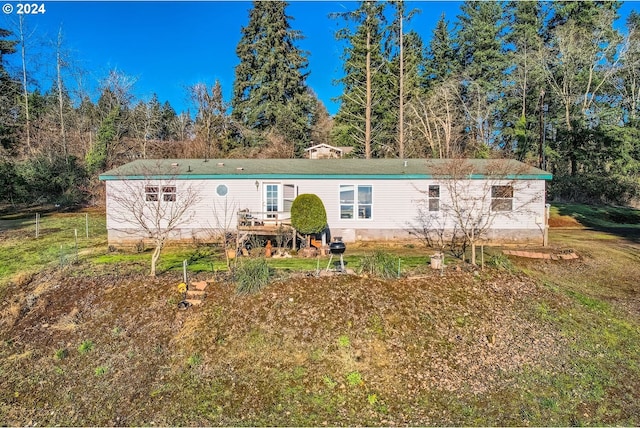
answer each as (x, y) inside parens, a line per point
(260, 219)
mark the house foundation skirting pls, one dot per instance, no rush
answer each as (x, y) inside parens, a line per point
(506, 236)
(133, 238)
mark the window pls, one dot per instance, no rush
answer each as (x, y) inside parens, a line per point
(169, 193)
(151, 193)
(501, 198)
(272, 200)
(289, 195)
(222, 190)
(434, 198)
(355, 199)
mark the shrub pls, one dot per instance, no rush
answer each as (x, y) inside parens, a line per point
(595, 189)
(252, 275)
(58, 179)
(308, 214)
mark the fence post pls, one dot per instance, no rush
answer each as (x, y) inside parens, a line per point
(86, 224)
(184, 271)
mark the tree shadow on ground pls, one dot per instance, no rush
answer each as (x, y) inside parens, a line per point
(619, 221)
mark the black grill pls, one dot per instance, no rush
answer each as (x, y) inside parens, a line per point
(337, 247)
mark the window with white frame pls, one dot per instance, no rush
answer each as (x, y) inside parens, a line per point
(501, 198)
(160, 193)
(434, 197)
(169, 193)
(151, 193)
(356, 200)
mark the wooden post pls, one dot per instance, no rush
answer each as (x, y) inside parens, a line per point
(86, 224)
(295, 236)
(37, 225)
(545, 236)
(184, 271)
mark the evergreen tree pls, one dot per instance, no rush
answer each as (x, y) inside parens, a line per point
(526, 89)
(582, 58)
(270, 92)
(441, 55)
(98, 157)
(403, 64)
(481, 54)
(364, 118)
(167, 120)
(9, 91)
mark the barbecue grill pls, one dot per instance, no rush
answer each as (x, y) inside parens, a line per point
(337, 247)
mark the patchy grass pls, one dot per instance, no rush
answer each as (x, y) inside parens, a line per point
(524, 342)
(620, 221)
(22, 254)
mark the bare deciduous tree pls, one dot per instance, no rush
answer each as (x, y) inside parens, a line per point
(436, 119)
(469, 205)
(154, 208)
(225, 215)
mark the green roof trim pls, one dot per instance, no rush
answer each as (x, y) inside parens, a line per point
(338, 169)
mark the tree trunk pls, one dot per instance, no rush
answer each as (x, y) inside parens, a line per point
(155, 257)
(25, 92)
(367, 108)
(473, 247)
(63, 136)
(401, 111)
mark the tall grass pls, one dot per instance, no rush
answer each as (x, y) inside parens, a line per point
(380, 264)
(252, 275)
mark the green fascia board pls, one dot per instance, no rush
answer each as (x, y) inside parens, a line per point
(325, 169)
(105, 177)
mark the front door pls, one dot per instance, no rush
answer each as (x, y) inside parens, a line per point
(272, 200)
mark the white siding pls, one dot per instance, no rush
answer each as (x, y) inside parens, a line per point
(394, 204)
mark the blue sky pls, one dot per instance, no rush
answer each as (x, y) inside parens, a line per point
(169, 45)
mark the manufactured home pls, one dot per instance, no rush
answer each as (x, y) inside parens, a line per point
(365, 199)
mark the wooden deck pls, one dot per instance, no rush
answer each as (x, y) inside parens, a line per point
(263, 223)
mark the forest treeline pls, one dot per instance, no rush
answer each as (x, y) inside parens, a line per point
(553, 84)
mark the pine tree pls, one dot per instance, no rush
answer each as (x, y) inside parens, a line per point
(9, 91)
(526, 89)
(481, 54)
(168, 119)
(363, 119)
(441, 54)
(270, 92)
